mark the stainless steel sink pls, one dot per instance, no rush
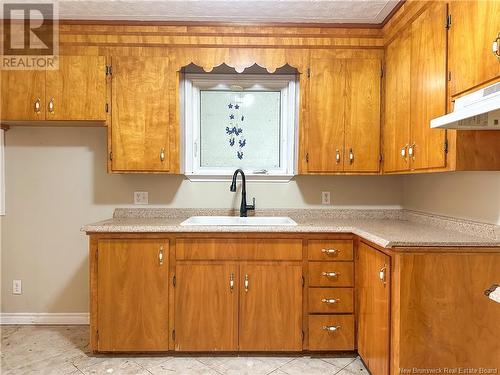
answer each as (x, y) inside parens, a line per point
(239, 221)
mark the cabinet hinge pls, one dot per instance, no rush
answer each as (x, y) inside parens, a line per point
(303, 335)
(446, 146)
(173, 335)
(106, 107)
(449, 76)
(381, 158)
(97, 335)
(307, 158)
(111, 155)
(308, 72)
(303, 281)
(109, 70)
(174, 281)
(381, 72)
(448, 22)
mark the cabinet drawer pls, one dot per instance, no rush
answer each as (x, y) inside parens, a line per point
(331, 300)
(330, 250)
(321, 338)
(331, 274)
(237, 249)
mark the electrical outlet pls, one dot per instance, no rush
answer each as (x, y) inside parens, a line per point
(141, 197)
(17, 287)
(325, 197)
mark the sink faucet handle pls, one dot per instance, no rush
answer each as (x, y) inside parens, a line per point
(251, 206)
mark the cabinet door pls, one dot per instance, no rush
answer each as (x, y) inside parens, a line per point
(428, 86)
(77, 90)
(22, 95)
(132, 293)
(206, 306)
(373, 304)
(270, 307)
(475, 24)
(140, 115)
(325, 130)
(362, 118)
(396, 132)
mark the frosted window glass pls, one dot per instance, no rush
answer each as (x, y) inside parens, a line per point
(240, 129)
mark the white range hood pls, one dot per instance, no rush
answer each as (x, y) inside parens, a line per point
(477, 111)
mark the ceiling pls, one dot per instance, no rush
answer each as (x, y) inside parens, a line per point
(242, 11)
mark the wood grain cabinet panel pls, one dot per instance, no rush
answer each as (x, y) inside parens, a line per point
(77, 90)
(428, 87)
(330, 250)
(362, 123)
(373, 289)
(132, 295)
(474, 26)
(396, 129)
(327, 100)
(206, 306)
(323, 337)
(22, 95)
(270, 307)
(340, 274)
(140, 132)
(331, 300)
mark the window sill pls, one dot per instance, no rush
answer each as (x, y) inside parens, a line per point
(249, 177)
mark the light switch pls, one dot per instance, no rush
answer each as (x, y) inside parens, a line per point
(325, 197)
(17, 287)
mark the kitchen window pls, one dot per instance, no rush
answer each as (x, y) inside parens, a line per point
(245, 121)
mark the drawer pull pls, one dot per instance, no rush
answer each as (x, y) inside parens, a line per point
(329, 251)
(331, 328)
(231, 282)
(330, 274)
(160, 256)
(330, 300)
(247, 283)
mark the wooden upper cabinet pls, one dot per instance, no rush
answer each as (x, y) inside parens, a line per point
(270, 307)
(206, 306)
(396, 130)
(77, 90)
(140, 132)
(132, 293)
(428, 87)
(373, 307)
(474, 27)
(325, 130)
(362, 115)
(22, 95)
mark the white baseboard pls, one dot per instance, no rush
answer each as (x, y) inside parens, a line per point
(44, 318)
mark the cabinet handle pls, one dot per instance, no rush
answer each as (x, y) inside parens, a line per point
(231, 282)
(330, 328)
(160, 256)
(330, 274)
(329, 251)
(382, 274)
(496, 46)
(330, 301)
(404, 153)
(337, 156)
(351, 156)
(162, 154)
(37, 105)
(246, 283)
(411, 151)
(51, 105)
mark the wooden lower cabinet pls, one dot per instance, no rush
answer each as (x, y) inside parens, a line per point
(132, 295)
(373, 288)
(270, 307)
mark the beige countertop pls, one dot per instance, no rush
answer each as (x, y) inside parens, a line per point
(386, 228)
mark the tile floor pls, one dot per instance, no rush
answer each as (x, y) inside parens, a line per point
(65, 350)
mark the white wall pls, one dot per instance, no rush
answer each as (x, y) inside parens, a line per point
(469, 195)
(56, 181)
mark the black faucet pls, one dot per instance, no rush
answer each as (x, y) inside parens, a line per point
(244, 206)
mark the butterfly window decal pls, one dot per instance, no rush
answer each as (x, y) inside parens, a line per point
(234, 129)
